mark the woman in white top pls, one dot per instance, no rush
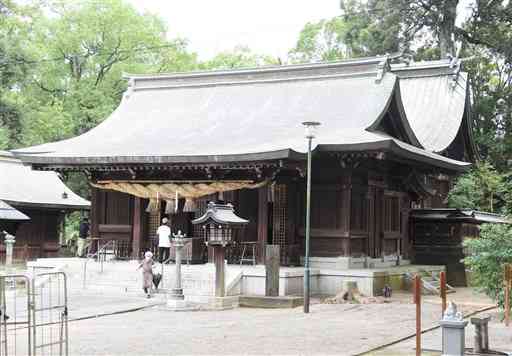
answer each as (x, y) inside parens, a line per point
(164, 240)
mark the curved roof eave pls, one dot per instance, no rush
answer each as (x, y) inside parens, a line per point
(402, 116)
(204, 159)
(434, 107)
(402, 150)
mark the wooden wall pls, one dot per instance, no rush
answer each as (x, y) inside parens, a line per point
(38, 237)
(354, 212)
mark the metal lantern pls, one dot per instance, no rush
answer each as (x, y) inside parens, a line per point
(219, 222)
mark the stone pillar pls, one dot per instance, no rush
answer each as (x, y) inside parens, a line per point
(218, 257)
(9, 241)
(176, 300)
(453, 326)
(481, 334)
(272, 271)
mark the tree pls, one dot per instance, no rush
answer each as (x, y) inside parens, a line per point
(360, 31)
(12, 70)
(82, 49)
(483, 188)
(486, 259)
(240, 56)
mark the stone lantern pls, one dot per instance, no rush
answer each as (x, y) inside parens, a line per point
(219, 223)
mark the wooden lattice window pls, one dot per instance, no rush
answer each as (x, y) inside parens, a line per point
(391, 213)
(279, 215)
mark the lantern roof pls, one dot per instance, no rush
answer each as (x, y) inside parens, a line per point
(220, 214)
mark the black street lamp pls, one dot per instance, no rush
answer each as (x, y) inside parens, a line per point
(310, 127)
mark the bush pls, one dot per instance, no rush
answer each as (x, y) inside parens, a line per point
(486, 259)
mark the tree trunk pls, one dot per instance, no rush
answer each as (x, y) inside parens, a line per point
(446, 28)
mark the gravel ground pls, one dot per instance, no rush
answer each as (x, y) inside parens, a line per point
(500, 339)
(330, 329)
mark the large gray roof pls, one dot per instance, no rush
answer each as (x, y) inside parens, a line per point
(257, 113)
(22, 186)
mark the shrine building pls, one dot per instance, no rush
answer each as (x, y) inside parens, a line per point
(393, 137)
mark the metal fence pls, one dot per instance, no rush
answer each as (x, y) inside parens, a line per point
(34, 315)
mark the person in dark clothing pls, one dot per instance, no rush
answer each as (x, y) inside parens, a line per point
(83, 233)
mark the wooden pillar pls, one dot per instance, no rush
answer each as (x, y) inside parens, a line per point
(291, 223)
(371, 222)
(137, 227)
(346, 198)
(405, 208)
(94, 214)
(442, 284)
(97, 215)
(417, 301)
(379, 228)
(262, 223)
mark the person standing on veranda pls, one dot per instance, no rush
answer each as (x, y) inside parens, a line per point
(164, 240)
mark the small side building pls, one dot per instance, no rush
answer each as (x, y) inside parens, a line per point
(438, 236)
(10, 218)
(41, 196)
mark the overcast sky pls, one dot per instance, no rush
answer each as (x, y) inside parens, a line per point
(265, 26)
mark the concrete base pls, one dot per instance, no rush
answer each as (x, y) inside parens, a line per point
(344, 263)
(453, 337)
(215, 303)
(257, 301)
(178, 305)
(198, 281)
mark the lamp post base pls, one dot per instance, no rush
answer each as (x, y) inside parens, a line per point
(177, 304)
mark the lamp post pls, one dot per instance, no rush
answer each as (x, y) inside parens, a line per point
(310, 127)
(176, 300)
(218, 223)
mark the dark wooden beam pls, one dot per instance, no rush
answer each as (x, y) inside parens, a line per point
(262, 222)
(137, 228)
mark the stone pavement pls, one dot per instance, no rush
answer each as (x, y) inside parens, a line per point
(330, 329)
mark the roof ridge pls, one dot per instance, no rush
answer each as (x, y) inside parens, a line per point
(260, 69)
(259, 81)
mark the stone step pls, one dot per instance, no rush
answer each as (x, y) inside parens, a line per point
(257, 301)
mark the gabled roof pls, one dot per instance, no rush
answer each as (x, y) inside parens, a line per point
(22, 186)
(256, 114)
(220, 214)
(7, 212)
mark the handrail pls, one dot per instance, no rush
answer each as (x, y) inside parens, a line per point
(101, 250)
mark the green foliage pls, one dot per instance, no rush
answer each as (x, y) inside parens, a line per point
(487, 257)
(89, 44)
(4, 138)
(483, 188)
(360, 31)
(13, 70)
(240, 56)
